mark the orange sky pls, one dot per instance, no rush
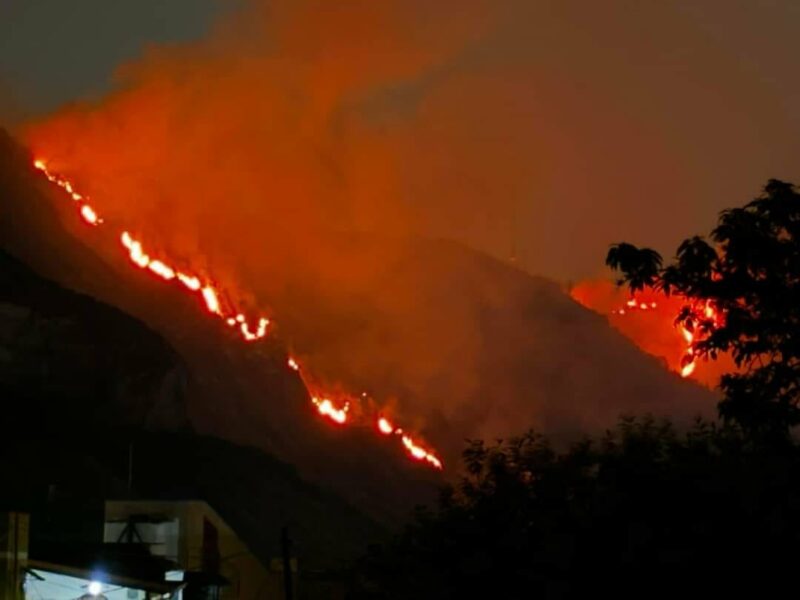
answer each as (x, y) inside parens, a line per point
(552, 127)
(652, 329)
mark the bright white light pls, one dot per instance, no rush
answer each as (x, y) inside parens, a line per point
(95, 588)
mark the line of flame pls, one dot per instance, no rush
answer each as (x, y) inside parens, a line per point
(689, 359)
(249, 332)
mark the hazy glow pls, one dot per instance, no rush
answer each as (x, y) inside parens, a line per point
(210, 297)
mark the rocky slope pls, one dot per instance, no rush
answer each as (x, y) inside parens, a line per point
(70, 362)
(473, 347)
(81, 382)
(460, 344)
(244, 393)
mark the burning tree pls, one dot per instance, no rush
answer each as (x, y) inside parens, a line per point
(742, 291)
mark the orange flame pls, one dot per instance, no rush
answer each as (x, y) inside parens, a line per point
(689, 359)
(327, 409)
(419, 453)
(162, 270)
(89, 215)
(385, 427)
(189, 281)
(211, 300)
(655, 331)
(688, 369)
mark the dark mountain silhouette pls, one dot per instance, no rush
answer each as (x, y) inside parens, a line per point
(243, 393)
(466, 345)
(478, 348)
(70, 362)
(81, 381)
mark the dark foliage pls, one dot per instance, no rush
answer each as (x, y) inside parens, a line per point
(749, 272)
(644, 512)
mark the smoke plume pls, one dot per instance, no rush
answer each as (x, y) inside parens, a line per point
(305, 148)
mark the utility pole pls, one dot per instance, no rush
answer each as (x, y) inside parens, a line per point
(286, 547)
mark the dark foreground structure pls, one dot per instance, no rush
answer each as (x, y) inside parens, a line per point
(137, 550)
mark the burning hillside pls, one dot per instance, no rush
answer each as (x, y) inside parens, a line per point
(648, 318)
(459, 344)
(243, 391)
(252, 170)
(338, 412)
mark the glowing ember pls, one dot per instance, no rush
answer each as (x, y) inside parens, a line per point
(259, 333)
(211, 300)
(210, 297)
(419, 453)
(688, 369)
(135, 252)
(190, 282)
(89, 215)
(162, 270)
(689, 359)
(385, 427)
(327, 409)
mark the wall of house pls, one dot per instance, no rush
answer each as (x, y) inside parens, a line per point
(14, 529)
(193, 535)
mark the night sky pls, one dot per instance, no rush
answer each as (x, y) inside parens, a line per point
(561, 127)
(52, 52)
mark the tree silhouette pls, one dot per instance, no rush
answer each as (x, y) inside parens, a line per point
(644, 511)
(749, 273)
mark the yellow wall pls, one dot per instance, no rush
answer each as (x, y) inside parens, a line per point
(249, 579)
(13, 554)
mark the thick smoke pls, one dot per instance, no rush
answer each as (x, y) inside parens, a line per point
(299, 150)
(549, 127)
(280, 156)
(283, 127)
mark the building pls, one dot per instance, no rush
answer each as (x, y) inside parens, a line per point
(151, 550)
(13, 554)
(93, 581)
(192, 536)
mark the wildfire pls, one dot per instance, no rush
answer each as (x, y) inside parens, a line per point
(259, 333)
(162, 270)
(327, 409)
(688, 362)
(211, 299)
(385, 427)
(89, 215)
(87, 212)
(648, 320)
(688, 368)
(420, 453)
(190, 282)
